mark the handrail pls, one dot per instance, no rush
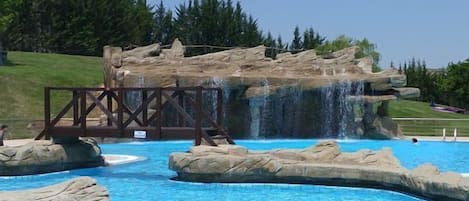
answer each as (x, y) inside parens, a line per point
(433, 126)
(81, 96)
(133, 88)
(430, 119)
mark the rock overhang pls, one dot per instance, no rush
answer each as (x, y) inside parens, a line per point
(248, 77)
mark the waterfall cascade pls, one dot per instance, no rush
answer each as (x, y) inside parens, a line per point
(134, 98)
(259, 111)
(301, 95)
(338, 112)
(324, 113)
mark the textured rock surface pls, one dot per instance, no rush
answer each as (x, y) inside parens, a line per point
(81, 188)
(249, 66)
(44, 156)
(321, 164)
(300, 88)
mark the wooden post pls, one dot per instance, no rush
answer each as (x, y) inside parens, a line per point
(181, 103)
(47, 112)
(109, 105)
(75, 108)
(112, 59)
(83, 111)
(198, 116)
(120, 111)
(219, 110)
(144, 107)
(107, 67)
(158, 112)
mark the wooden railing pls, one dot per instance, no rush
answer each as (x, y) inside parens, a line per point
(120, 120)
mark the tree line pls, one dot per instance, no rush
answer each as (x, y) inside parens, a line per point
(84, 26)
(447, 86)
(75, 26)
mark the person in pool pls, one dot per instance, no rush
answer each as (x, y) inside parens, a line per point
(414, 140)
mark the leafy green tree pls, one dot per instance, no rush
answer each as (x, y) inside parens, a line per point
(339, 43)
(77, 26)
(366, 48)
(7, 14)
(455, 86)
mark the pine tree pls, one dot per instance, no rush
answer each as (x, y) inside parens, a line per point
(297, 44)
(162, 25)
(280, 46)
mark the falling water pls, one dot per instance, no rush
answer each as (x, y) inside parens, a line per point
(259, 110)
(338, 112)
(286, 112)
(215, 82)
(134, 98)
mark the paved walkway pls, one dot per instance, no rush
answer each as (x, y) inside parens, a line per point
(434, 138)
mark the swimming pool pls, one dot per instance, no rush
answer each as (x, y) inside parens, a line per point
(150, 179)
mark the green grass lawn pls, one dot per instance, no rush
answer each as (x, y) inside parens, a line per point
(416, 109)
(23, 80)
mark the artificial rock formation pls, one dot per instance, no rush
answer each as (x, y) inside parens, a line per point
(320, 164)
(81, 188)
(276, 97)
(45, 156)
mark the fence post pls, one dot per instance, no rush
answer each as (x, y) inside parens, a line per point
(455, 133)
(75, 108)
(120, 111)
(158, 112)
(198, 116)
(181, 103)
(144, 107)
(109, 104)
(83, 111)
(46, 112)
(219, 110)
(444, 134)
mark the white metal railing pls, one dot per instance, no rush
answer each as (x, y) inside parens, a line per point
(448, 129)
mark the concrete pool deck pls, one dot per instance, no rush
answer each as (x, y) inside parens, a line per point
(439, 138)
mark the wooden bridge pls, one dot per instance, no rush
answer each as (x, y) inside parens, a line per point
(143, 121)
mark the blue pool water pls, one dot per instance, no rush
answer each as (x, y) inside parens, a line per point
(150, 179)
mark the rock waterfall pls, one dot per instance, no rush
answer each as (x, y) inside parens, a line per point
(301, 95)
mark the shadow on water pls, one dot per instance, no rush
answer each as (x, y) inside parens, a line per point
(106, 172)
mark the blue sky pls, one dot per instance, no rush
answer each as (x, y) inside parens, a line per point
(436, 31)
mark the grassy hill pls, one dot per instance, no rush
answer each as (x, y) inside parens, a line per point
(428, 127)
(23, 80)
(417, 109)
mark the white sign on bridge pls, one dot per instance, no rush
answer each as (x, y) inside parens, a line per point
(140, 134)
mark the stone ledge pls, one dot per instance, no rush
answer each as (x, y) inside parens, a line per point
(322, 164)
(44, 156)
(81, 188)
